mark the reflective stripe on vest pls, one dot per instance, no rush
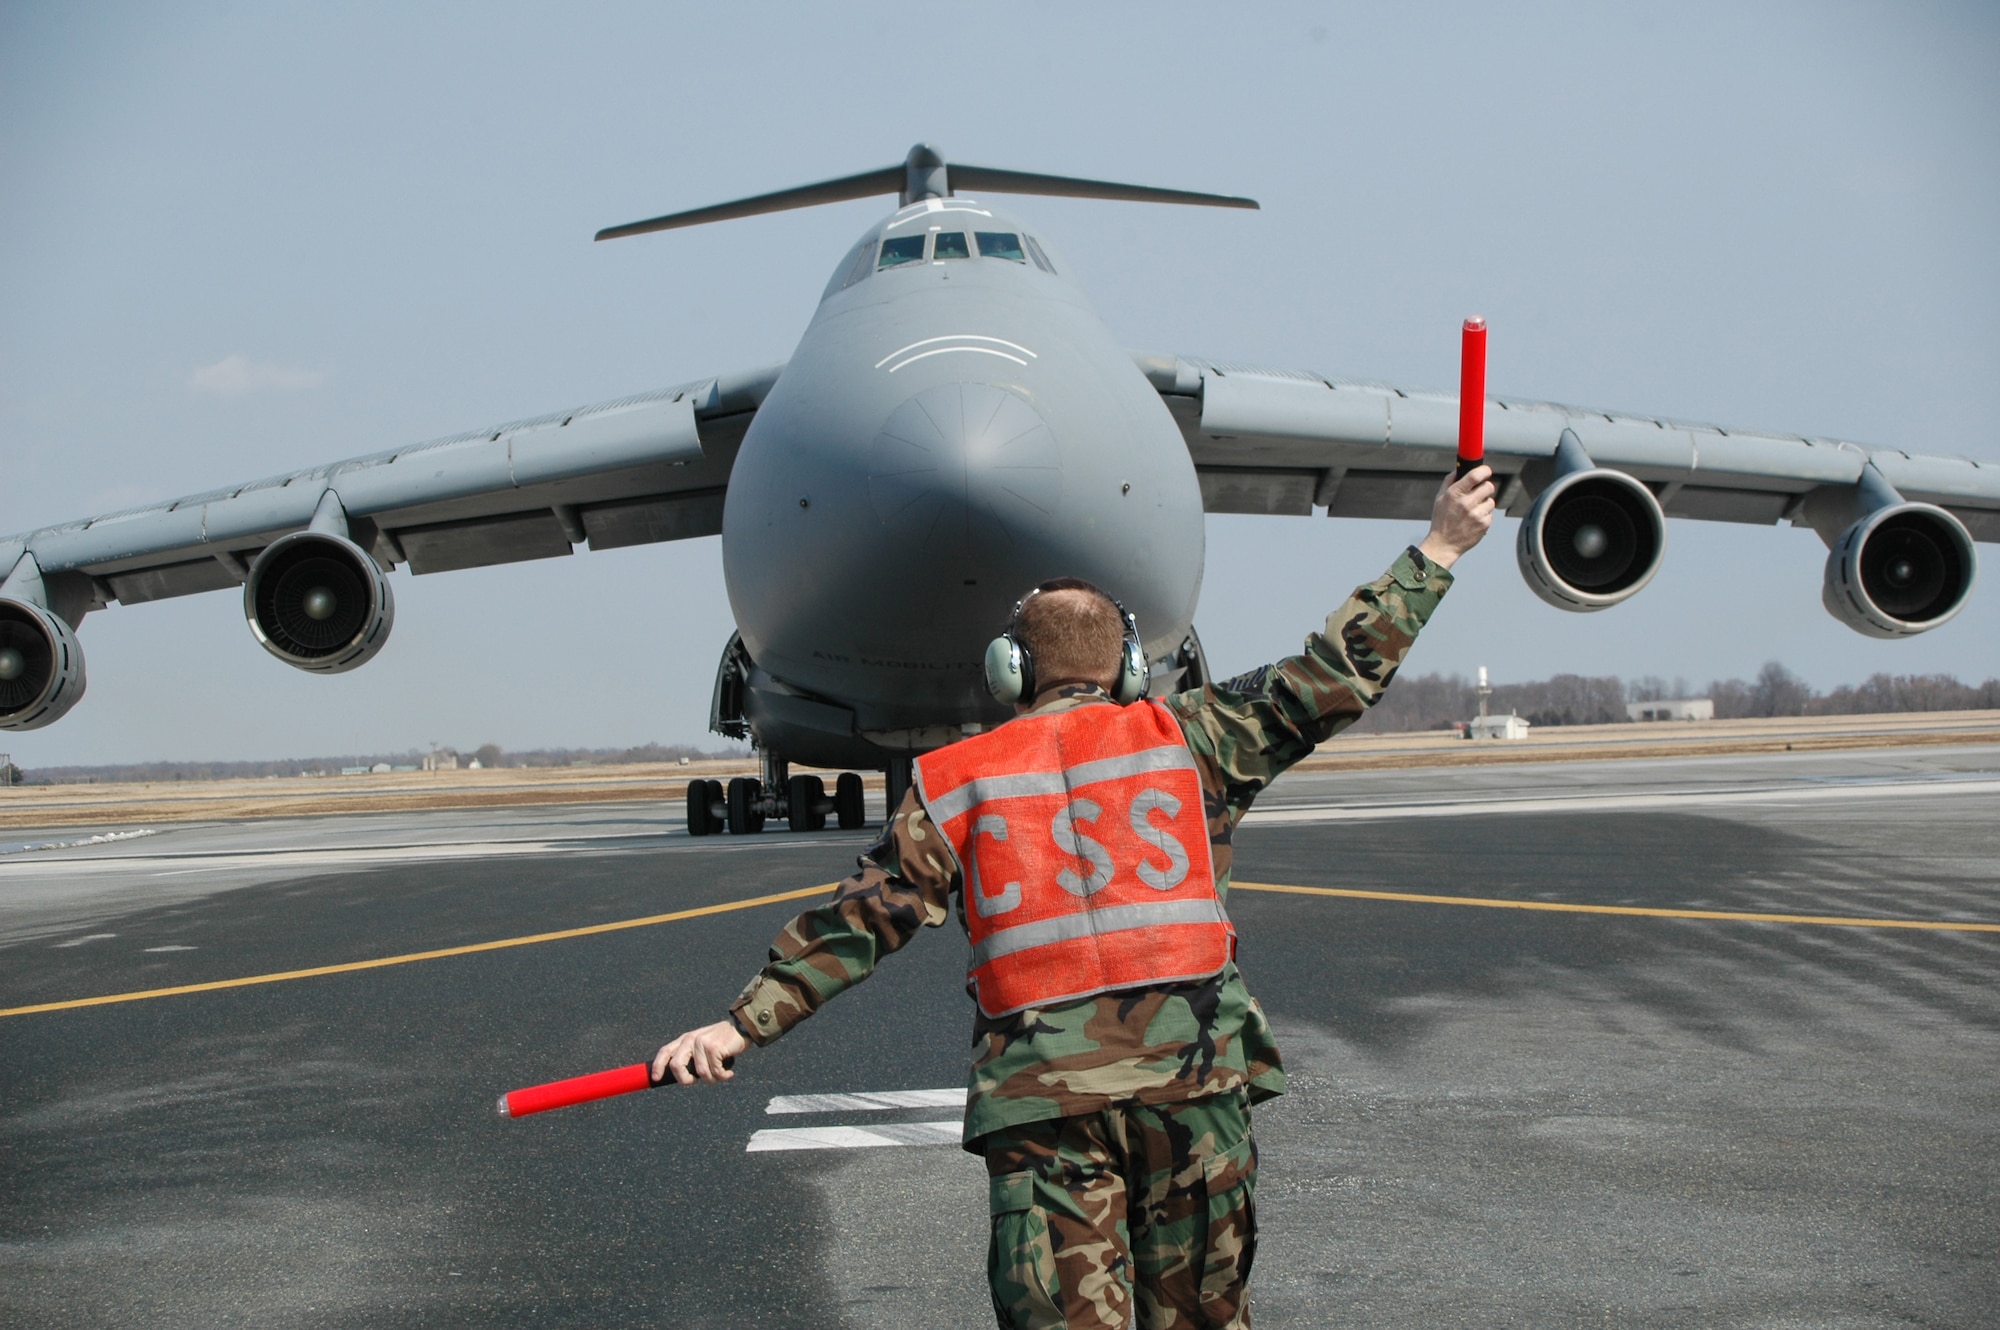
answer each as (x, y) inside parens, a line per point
(1084, 842)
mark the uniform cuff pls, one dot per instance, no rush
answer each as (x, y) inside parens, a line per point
(1414, 572)
(759, 1010)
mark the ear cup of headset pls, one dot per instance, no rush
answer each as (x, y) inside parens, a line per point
(1010, 673)
(1133, 673)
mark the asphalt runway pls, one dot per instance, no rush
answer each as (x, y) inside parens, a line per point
(1498, 1116)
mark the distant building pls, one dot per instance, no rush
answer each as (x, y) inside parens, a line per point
(1484, 726)
(1685, 708)
(441, 759)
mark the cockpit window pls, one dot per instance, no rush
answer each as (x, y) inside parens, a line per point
(951, 245)
(1040, 257)
(901, 249)
(1001, 245)
(860, 261)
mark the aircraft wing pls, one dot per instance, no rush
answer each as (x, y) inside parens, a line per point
(643, 468)
(1286, 441)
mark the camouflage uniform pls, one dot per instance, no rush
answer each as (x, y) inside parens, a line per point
(1134, 1103)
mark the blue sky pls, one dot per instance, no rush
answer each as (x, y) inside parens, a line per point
(246, 238)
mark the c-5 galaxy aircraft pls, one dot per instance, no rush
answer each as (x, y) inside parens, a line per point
(956, 425)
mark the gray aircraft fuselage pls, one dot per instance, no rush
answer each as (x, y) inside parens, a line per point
(948, 433)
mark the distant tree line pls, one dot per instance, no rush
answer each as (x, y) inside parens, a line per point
(488, 755)
(1440, 701)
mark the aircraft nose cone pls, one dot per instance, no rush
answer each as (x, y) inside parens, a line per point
(962, 467)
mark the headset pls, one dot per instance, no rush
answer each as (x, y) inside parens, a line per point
(1010, 668)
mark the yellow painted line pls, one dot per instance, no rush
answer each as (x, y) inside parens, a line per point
(378, 963)
(1834, 920)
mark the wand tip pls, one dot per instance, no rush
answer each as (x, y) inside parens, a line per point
(500, 1107)
(1477, 323)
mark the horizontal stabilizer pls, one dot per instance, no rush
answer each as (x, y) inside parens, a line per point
(1028, 182)
(888, 180)
(924, 174)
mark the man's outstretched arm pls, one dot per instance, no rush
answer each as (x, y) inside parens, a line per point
(904, 884)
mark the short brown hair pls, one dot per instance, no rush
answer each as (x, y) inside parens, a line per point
(1073, 633)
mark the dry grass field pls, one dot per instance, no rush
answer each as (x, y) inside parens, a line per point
(298, 796)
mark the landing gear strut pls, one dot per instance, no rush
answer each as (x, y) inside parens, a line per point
(897, 781)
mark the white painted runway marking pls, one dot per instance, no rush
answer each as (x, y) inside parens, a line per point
(79, 941)
(173, 948)
(856, 1138)
(865, 1100)
(264, 860)
(104, 838)
(1612, 803)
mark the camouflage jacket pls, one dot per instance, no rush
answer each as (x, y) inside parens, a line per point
(1157, 1044)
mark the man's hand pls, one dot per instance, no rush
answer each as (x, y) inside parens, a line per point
(698, 1054)
(1461, 516)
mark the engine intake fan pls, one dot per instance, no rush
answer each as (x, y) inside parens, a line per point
(318, 602)
(1899, 569)
(1593, 538)
(41, 666)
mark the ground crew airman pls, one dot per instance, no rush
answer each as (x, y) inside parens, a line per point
(1086, 850)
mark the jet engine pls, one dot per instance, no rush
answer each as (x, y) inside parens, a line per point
(1903, 569)
(318, 602)
(1593, 537)
(41, 666)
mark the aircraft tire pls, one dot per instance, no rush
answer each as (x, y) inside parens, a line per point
(700, 821)
(745, 817)
(804, 794)
(848, 808)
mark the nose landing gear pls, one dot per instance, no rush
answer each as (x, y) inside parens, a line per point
(801, 802)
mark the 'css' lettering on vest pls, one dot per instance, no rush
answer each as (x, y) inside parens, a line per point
(1085, 853)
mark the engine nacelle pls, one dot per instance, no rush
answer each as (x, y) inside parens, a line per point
(1901, 570)
(41, 666)
(318, 602)
(1593, 538)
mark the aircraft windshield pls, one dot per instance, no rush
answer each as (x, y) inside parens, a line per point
(951, 245)
(1000, 245)
(902, 249)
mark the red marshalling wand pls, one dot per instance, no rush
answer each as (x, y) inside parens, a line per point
(1472, 395)
(583, 1089)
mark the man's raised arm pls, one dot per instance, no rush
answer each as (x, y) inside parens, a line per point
(1256, 725)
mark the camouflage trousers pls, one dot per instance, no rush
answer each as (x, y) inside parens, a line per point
(1139, 1208)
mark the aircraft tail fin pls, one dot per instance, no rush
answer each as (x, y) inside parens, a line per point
(924, 174)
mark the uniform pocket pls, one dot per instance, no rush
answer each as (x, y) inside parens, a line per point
(1227, 1169)
(1020, 1261)
(1231, 1178)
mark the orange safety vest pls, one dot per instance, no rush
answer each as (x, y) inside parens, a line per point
(1085, 850)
